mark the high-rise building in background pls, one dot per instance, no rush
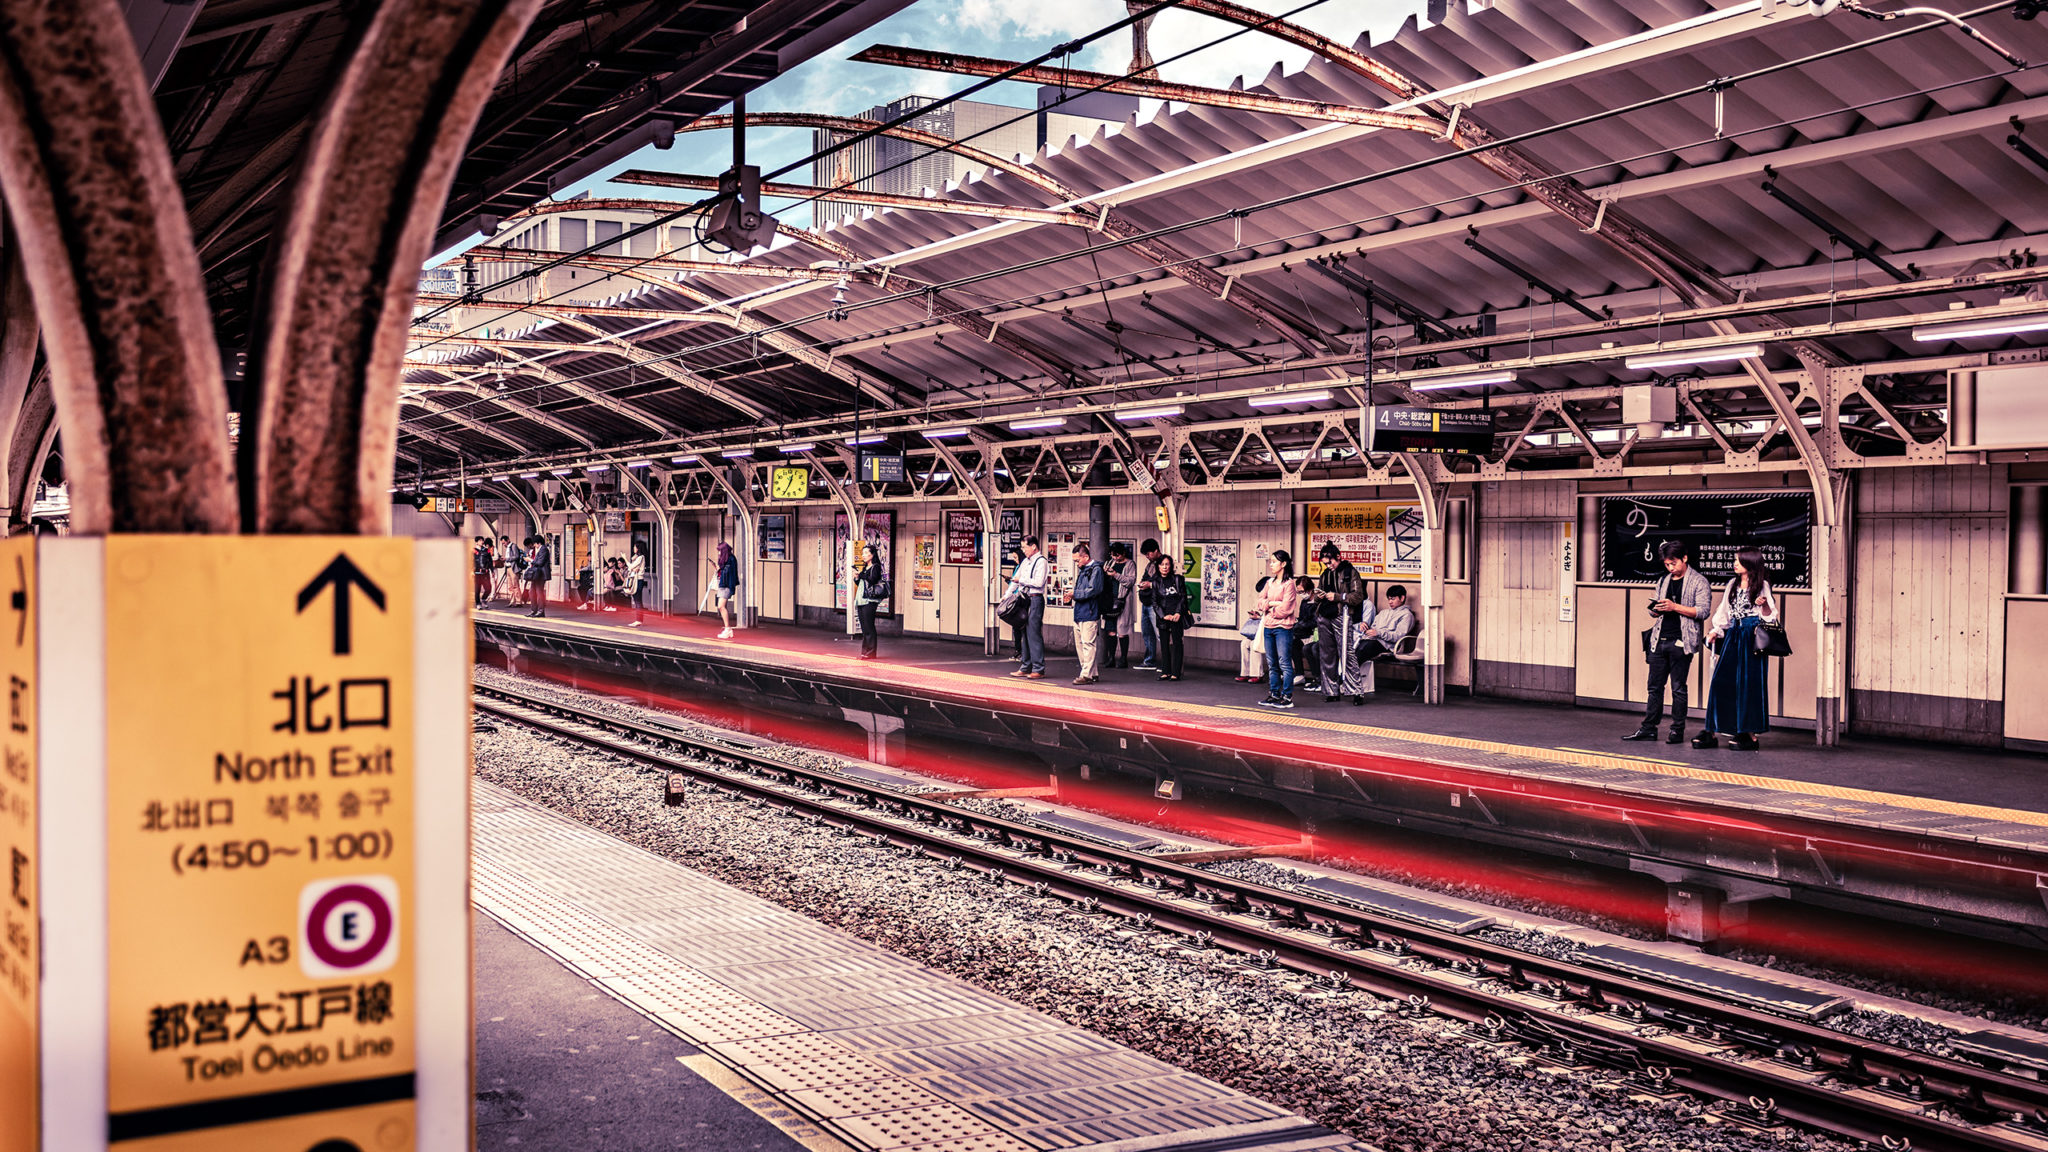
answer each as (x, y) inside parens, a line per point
(887, 164)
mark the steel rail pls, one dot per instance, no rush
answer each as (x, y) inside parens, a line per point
(1775, 1066)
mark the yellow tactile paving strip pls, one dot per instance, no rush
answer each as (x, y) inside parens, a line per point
(952, 681)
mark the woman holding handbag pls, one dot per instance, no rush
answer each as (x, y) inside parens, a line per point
(1742, 629)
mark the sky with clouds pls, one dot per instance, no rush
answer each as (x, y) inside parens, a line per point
(1010, 30)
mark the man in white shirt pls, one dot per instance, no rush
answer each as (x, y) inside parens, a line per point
(1029, 578)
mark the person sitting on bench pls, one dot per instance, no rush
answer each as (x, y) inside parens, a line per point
(1389, 627)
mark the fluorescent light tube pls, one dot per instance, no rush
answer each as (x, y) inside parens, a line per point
(795, 448)
(941, 433)
(563, 471)
(876, 438)
(1984, 326)
(1276, 399)
(638, 463)
(1681, 359)
(598, 468)
(737, 453)
(1151, 413)
(1038, 422)
(529, 475)
(684, 459)
(1470, 380)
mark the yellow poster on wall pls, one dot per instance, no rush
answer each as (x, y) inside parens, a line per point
(260, 777)
(1379, 537)
(20, 914)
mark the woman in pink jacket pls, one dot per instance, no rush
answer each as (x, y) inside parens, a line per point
(1279, 609)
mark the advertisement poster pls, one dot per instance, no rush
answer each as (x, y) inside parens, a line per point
(1059, 560)
(1380, 538)
(1013, 538)
(774, 537)
(880, 534)
(963, 537)
(1210, 570)
(924, 572)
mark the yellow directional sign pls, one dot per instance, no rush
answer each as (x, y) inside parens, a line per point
(260, 843)
(20, 946)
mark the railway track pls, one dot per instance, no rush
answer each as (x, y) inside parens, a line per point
(1642, 1036)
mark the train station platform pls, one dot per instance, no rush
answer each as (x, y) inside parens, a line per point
(1922, 832)
(834, 1044)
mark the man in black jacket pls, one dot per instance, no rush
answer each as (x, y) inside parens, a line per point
(1340, 599)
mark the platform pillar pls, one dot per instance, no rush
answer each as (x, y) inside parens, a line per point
(885, 735)
(1832, 582)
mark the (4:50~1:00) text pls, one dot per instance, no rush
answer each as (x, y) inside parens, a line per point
(232, 855)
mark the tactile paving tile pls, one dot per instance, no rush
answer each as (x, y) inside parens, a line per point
(839, 1100)
(913, 1126)
(888, 1054)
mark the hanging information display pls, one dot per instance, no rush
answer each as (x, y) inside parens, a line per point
(1379, 537)
(1717, 525)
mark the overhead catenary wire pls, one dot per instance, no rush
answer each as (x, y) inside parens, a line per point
(1076, 288)
(1240, 213)
(513, 308)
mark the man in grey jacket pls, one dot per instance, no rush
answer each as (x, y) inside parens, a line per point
(1389, 627)
(1682, 600)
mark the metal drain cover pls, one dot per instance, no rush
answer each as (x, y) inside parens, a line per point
(1440, 916)
(1769, 995)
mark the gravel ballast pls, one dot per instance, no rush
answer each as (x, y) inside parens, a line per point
(1343, 1060)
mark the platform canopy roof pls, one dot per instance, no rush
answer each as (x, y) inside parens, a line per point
(1683, 174)
(240, 82)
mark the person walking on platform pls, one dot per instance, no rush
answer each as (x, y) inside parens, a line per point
(481, 560)
(1390, 625)
(868, 596)
(1278, 608)
(1120, 582)
(725, 571)
(1029, 578)
(1736, 701)
(1148, 612)
(1340, 601)
(537, 575)
(1682, 600)
(1170, 605)
(1089, 595)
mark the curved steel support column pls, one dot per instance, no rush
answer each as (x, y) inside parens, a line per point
(344, 273)
(109, 257)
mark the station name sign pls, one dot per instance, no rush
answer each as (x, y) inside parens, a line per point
(1400, 428)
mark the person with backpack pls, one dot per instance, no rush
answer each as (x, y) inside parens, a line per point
(725, 571)
(1148, 612)
(1091, 597)
(871, 588)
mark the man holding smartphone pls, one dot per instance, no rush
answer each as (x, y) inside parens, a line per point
(1682, 599)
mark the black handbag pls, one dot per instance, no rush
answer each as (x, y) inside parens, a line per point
(1012, 609)
(1770, 640)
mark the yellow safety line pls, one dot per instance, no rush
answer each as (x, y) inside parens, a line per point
(1572, 756)
(764, 1104)
(1623, 756)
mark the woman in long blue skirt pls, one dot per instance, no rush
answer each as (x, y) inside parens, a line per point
(1737, 703)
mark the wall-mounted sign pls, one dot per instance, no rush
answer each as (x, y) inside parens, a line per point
(1379, 537)
(1717, 525)
(1013, 538)
(882, 470)
(963, 536)
(1210, 572)
(1398, 428)
(790, 482)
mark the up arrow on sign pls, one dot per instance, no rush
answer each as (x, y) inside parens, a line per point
(341, 572)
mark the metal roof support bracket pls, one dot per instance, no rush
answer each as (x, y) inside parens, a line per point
(1451, 126)
(1599, 218)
